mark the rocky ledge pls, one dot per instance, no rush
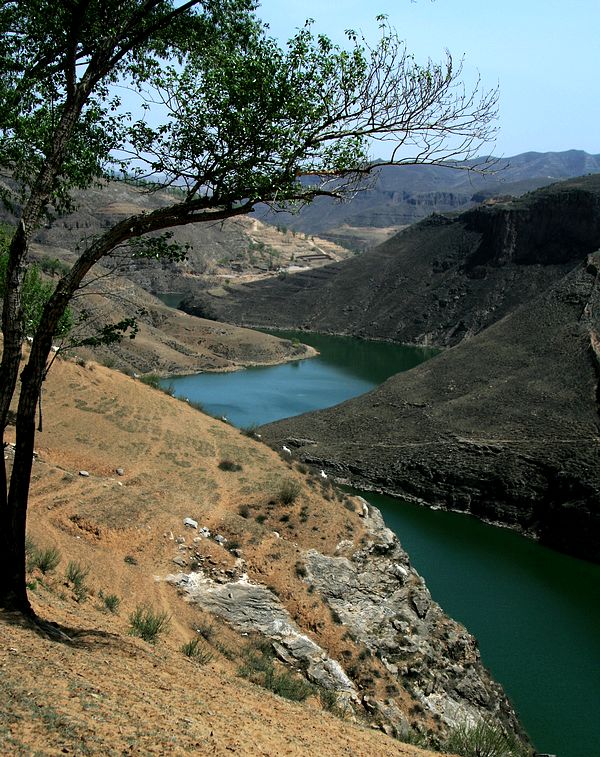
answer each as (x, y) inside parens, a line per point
(373, 590)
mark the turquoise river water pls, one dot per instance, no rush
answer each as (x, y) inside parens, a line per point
(535, 612)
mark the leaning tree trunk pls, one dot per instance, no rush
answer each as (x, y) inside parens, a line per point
(13, 503)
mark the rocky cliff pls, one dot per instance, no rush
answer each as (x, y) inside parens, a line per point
(372, 590)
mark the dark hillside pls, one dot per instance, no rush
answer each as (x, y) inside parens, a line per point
(438, 282)
(504, 426)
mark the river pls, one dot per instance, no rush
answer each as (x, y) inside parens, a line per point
(535, 612)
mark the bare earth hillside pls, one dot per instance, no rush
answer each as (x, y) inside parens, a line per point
(119, 467)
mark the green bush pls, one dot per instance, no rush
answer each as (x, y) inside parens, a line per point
(301, 571)
(250, 430)
(259, 668)
(206, 630)
(147, 623)
(111, 603)
(76, 574)
(45, 559)
(289, 492)
(484, 740)
(197, 651)
(151, 379)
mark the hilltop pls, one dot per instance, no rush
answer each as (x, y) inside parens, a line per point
(398, 197)
(118, 468)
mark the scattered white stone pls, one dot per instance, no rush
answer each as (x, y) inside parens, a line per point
(204, 532)
(180, 540)
(179, 561)
(220, 539)
(323, 474)
(119, 471)
(287, 450)
(276, 534)
(84, 473)
(196, 539)
(54, 348)
(399, 570)
(190, 522)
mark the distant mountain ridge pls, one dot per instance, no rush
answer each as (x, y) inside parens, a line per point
(401, 196)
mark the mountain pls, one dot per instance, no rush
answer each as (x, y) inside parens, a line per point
(504, 424)
(241, 248)
(398, 197)
(438, 282)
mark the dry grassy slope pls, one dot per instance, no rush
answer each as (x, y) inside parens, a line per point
(239, 247)
(109, 693)
(168, 341)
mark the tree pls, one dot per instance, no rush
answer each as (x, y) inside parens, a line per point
(228, 119)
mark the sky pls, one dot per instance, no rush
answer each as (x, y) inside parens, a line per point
(543, 54)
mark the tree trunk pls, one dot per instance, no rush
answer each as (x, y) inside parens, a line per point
(13, 514)
(13, 504)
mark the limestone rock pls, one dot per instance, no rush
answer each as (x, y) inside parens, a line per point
(254, 608)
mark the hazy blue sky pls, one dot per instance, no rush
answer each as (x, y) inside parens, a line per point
(544, 54)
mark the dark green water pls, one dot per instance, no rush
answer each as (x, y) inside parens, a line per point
(172, 299)
(535, 612)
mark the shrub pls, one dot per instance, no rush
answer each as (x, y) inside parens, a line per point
(77, 574)
(290, 687)
(261, 518)
(206, 630)
(45, 559)
(130, 560)
(244, 511)
(111, 603)
(329, 702)
(301, 571)
(151, 379)
(260, 669)
(289, 492)
(197, 651)
(30, 547)
(147, 623)
(250, 430)
(229, 465)
(484, 739)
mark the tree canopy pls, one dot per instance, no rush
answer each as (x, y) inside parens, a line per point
(194, 95)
